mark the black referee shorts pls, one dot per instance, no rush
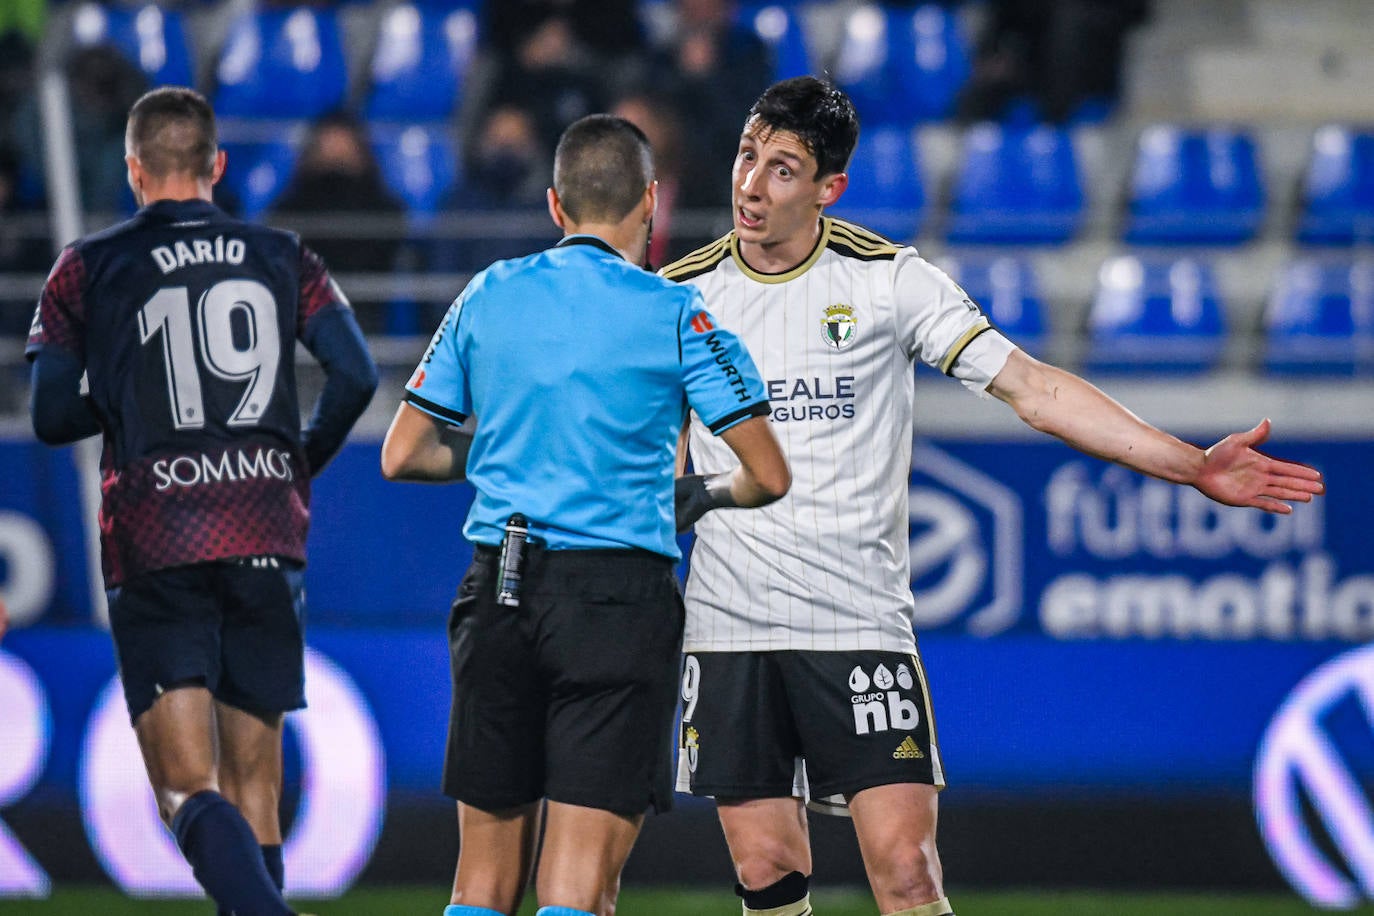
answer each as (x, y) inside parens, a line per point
(571, 695)
(233, 626)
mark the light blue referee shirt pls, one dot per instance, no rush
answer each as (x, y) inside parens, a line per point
(579, 368)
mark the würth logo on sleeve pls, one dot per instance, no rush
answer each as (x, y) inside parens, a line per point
(701, 323)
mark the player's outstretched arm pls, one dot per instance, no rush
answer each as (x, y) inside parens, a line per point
(1232, 472)
(425, 448)
(761, 478)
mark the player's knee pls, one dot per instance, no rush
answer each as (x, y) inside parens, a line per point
(909, 872)
(765, 866)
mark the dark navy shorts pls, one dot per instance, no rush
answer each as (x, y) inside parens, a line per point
(816, 725)
(232, 626)
(571, 695)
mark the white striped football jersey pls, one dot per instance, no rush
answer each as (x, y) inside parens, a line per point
(826, 568)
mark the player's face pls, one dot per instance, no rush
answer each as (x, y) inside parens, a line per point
(777, 193)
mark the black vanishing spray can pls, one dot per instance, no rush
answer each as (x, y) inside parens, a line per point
(512, 560)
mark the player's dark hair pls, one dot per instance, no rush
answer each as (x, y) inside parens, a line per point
(818, 113)
(172, 132)
(601, 168)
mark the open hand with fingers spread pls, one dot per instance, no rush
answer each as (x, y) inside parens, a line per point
(1234, 473)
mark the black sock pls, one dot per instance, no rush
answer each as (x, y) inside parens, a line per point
(788, 889)
(225, 856)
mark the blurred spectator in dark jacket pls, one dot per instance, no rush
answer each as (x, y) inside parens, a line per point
(559, 59)
(714, 67)
(501, 198)
(24, 248)
(688, 214)
(608, 29)
(1058, 55)
(338, 175)
(103, 85)
(17, 78)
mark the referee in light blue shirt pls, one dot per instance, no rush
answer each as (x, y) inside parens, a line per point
(578, 368)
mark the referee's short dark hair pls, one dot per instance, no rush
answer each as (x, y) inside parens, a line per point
(601, 168)
(172, 132)
(820, 114)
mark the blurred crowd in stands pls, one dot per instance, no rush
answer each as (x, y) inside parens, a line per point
(491, 85)
(415, 137)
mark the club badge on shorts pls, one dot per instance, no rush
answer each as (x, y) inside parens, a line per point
(838, 326)
(690, 744)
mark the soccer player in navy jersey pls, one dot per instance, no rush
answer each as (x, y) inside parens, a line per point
(185, 323)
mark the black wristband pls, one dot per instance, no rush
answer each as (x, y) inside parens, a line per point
(696, 494)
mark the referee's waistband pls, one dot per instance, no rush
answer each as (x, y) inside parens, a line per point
(492, 552)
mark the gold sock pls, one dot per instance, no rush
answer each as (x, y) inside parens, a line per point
(801, 907)
(940, 907)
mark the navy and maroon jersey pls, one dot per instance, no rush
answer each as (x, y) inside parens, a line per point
(186, 321)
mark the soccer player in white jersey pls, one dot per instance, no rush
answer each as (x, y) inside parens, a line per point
(799, 643)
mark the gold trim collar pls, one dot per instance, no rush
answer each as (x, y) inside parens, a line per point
(789, 274)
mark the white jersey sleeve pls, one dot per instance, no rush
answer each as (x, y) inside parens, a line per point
(942, 326)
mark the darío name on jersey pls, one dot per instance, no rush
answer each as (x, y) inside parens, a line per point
(198, 251)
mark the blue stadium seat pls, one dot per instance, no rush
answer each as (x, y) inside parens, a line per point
(780, 27)
(1016, 186)
(420, 62)
(282, 63)
(1338, 189)
(885, 191)
(149, 36)
(1006, 288)
(1155, 316)
(902, 66)
(1195, 187)
(419, 164)
(257, 172)
(1320, 319)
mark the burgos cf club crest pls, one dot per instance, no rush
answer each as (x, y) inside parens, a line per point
(691, 743)
(838, 326)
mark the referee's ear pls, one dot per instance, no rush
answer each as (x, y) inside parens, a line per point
(560, 219)
(650, 202)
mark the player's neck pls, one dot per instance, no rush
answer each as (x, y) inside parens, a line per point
(626, 237)
(781, 256)
(176, 189)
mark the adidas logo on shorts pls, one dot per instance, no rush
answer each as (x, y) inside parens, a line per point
(907, 750)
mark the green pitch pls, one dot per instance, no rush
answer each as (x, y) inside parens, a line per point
(430, 901)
